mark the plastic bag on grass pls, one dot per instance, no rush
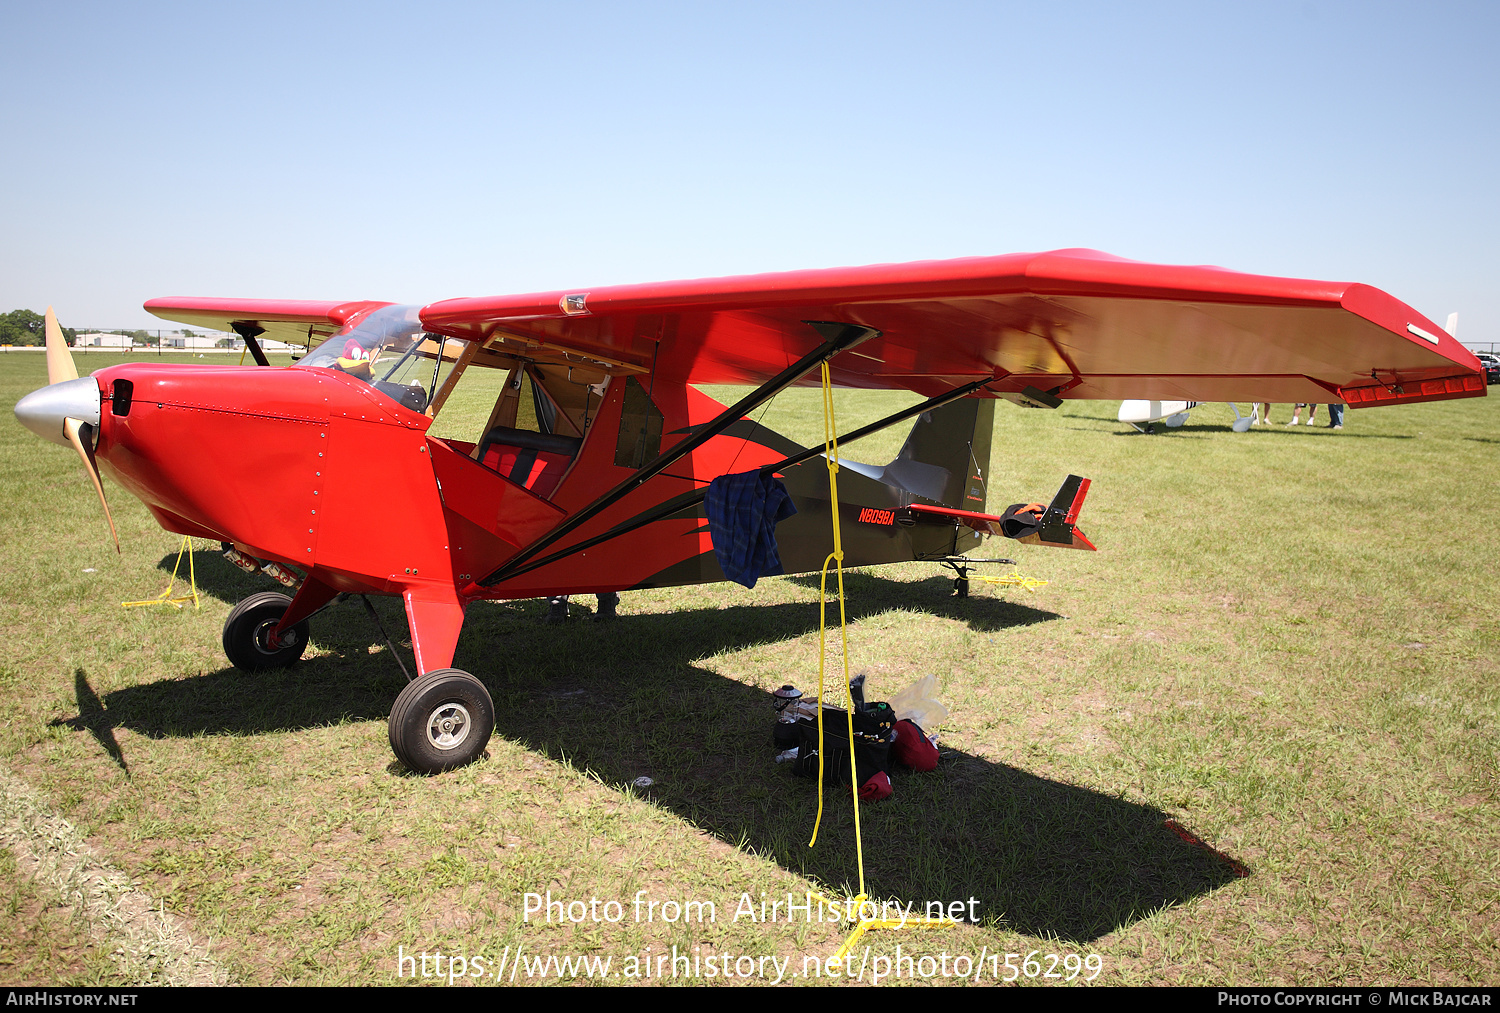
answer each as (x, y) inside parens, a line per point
(919, 704)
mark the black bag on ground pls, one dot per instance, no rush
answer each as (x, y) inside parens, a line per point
(873, 734)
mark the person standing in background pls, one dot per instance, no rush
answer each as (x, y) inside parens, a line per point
(557, 607)
(1312, 411)
(1335, 417)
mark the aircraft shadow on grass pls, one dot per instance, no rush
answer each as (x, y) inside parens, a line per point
(629, 699)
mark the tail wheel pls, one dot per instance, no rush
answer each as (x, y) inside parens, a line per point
(441, 721)
(247, 634)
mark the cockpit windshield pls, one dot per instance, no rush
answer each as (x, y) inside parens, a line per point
(389, 350)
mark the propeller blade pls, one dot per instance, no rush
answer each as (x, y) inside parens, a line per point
(74, 429)
(60, 364)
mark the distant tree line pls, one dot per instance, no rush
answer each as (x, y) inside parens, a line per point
(23, 327)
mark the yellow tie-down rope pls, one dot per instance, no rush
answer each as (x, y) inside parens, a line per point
(167, 597)
(836, 558)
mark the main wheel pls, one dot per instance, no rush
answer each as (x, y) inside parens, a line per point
(441, 721)
(247, 634)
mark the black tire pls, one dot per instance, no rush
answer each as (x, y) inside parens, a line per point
(441, 721)
(247, 631)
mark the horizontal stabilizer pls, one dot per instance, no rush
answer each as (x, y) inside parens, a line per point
(985, 524)
(1028, 522)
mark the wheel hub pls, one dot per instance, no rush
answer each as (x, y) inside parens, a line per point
(267, 643)
(448, 726)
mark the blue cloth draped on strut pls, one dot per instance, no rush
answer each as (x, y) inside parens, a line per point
(743, 511)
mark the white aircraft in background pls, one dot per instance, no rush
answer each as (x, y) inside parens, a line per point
(1145, 414)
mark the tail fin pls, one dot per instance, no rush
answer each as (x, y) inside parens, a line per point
(946, 457)
(1057, 522)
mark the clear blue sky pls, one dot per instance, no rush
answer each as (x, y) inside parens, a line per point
(418, 152)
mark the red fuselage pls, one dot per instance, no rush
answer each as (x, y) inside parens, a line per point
(317, 469)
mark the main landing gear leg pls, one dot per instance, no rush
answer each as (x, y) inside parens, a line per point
(444, 717)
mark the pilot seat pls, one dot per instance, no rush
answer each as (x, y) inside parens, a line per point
(536, 461)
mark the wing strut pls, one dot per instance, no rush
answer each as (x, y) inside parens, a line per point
(838, 337)
(248, 331)
(691, 499)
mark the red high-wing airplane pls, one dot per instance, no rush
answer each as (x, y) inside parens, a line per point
(605, 489)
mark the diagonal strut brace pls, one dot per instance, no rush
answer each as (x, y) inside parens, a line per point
(839, 337)
(687, 500)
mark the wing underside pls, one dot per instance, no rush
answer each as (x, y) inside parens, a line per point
(294, 321)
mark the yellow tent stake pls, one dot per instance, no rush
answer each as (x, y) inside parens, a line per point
(166, 597)
(1017, 579)
(866, 924)
(863, 924)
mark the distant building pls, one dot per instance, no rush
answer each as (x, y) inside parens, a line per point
(195, 341)
(185, 341)
(99, 339)
(268, 345)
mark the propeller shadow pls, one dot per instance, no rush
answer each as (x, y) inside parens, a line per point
(94, 719)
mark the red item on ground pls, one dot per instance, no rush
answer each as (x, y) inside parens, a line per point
(877, 787)
(912, 748)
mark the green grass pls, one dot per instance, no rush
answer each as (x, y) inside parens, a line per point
(43, 944)
(1286, 643)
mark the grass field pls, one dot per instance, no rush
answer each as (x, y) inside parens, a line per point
(1287, 644)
